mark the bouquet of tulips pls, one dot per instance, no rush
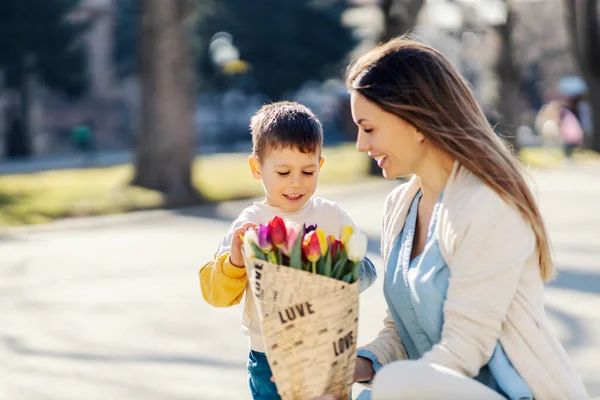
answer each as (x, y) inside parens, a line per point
(305, 287)
(306, 248)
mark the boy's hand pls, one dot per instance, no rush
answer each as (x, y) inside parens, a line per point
(235, 258)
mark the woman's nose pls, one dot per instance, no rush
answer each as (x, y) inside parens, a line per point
(362, 143)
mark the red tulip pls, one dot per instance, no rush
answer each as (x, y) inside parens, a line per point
(335, 248)
(311, 246)
(277, 232)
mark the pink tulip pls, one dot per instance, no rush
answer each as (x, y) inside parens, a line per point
(293, 231)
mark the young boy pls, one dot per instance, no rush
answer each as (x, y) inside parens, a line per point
(286, 156)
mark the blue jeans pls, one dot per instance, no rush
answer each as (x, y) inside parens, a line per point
(259, 377)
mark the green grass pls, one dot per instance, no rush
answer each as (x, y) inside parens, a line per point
(541, 157)
(45, 196)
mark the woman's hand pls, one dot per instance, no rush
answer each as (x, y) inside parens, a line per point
(364, 371)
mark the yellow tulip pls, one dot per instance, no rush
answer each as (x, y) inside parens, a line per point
(322, 241)
(346, 233)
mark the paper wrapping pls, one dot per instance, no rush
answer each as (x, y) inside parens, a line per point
(310, 326)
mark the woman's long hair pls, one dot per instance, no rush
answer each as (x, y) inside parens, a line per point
(418, 84)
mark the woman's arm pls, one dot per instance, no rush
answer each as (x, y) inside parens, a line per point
(388, 346)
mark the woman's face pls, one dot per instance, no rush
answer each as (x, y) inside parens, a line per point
(397, 145)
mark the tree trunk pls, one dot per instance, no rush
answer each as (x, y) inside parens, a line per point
(400, 16)
(165, 145)
(26, 76)
(593, 84)
(509, 76)
(584, 28)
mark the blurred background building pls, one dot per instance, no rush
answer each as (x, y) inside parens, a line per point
(513, 52)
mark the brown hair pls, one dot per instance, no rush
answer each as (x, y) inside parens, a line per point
(418, 84)
(285, 124)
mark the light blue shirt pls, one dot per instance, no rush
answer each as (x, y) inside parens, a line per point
(415, 291)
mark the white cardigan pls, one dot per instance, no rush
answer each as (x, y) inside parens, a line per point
(495, 289)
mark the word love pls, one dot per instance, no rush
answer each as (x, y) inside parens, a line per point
(344, 343)
(299, 310)
(257, 275)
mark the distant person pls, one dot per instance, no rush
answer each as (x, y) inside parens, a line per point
(571, 132)
(547, 124)
(83, 138)
(286, 157)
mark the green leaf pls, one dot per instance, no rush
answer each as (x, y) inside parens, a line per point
(341, 255)
(307, 266)
(355, 271)
(338, 269)
(258, 253)
(327, 268)
(272, 257)
(322, 264)
(296, 256)
(347, 278)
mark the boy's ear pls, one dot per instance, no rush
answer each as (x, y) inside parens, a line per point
(254, 166)
(321, 161)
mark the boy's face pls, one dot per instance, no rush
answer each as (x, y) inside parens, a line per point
(288, 176)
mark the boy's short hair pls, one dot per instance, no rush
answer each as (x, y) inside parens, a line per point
(285, 124)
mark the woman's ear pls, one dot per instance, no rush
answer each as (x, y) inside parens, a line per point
(254, 167)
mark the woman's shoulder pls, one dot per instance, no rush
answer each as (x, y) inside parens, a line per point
(469, 194)
(471, 206)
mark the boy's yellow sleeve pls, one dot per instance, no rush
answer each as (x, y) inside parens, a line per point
(222, 283)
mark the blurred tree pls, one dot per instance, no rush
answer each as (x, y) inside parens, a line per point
(583, 23)
(38, 41)
(400, 16)
(510, 79)
(165, 145)
(125, 38)
(286, 42)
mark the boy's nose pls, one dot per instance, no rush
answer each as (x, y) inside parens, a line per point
(296, 180)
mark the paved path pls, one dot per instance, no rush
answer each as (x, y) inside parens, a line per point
(109, 307)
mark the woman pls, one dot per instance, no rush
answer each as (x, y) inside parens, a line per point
(465, 249)
(571, 132)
